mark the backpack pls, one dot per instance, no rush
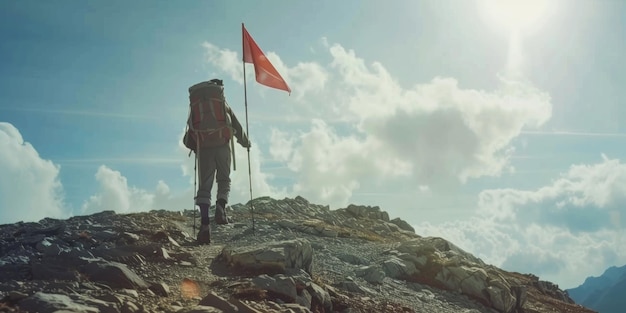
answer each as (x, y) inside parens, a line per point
(208, 124)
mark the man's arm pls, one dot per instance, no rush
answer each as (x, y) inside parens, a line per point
(242, 137)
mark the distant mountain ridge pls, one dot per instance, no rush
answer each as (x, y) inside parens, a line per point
(605, 293)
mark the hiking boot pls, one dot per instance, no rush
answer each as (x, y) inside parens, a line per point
(204, 235)
(220, 213)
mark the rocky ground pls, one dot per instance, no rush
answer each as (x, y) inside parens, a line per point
(300, 257)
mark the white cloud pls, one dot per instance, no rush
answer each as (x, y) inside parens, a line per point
(224, 59)
(443, 130)
(586, 198)
(324, 42)
(29, 185)
(328, 167)
(30, 188)
(432, 134)
(563, 232)
(306, 78)
(261, 181)
(282, 145)
(116, 195)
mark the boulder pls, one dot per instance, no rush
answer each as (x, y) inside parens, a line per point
(471, 281)
(49, 303)
(374, 212)
(161, 289)
(214, 300)
(352, 286)
(280, 284)
(372, 274)
(54, 269)
(398, 268)
(304, 298)
(403, 224)
(320, 296)
(272, 257)
(352, 259)
(444, 265)
(113, 274)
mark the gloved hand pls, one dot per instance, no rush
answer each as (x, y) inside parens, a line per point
(245, 142)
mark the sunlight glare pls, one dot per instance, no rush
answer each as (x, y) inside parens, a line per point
(517, 15)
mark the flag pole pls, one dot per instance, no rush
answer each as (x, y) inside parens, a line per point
(245, 95)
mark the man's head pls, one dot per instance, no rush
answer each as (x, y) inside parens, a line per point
(217, 81)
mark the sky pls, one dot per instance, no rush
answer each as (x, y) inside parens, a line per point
(496, 125)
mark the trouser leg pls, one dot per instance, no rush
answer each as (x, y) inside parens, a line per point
(222, 165)
(206, 169)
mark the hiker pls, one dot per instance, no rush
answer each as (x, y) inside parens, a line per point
(211, 126)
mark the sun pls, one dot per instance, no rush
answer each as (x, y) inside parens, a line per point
(521, 16)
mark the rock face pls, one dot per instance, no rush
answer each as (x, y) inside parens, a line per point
(296, 257)
(437, 262)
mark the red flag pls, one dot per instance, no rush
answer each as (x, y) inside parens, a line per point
(265, 72)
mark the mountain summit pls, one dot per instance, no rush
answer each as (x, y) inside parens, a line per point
(297, 257)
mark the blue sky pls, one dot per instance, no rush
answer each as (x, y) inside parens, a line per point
(496, 127)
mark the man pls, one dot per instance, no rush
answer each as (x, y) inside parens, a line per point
(212, 125)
